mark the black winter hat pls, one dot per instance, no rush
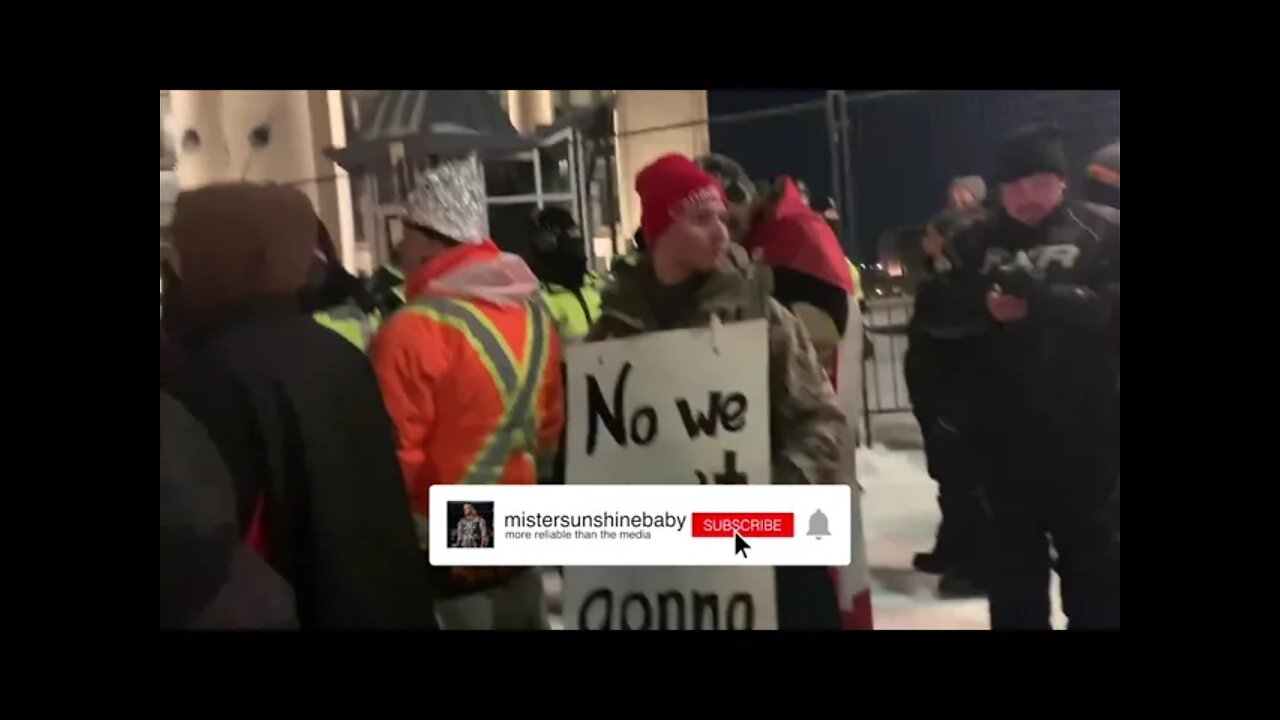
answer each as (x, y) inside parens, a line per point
(555, 219)
(1032, 150)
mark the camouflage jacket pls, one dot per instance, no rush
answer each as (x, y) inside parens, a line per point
(805, 422)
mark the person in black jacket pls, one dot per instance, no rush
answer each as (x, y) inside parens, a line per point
(334, 513)
(387, 286)
(1052, 274)
(944, 337)
(209, 578)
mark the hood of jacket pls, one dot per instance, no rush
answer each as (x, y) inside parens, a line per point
(239, 244)
(730, 292)
(475, 272)
(788, 234)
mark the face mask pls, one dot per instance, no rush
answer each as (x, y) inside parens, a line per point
(568, 270)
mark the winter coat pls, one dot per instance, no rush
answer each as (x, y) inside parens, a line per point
(1050, 378)
(450, 367)
(224, 408)
(948, 319)
(436, 377)
(807, 427)
(805, 419)
(334, 511)
(337, 519)
(208, 578)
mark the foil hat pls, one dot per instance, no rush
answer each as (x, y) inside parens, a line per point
(450, 199)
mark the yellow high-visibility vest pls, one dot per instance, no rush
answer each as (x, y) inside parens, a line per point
(573, 317)
(350, 322)
(857, 279)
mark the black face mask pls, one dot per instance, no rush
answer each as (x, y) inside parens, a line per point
(565, 270)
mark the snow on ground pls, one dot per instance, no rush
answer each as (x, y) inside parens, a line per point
(900, 516)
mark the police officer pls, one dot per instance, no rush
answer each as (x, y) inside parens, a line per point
(337, 299)
(569, 289)
(1050, 269)
(387, 286)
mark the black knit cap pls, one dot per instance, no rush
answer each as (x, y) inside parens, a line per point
(555, 219)
(1030, 151)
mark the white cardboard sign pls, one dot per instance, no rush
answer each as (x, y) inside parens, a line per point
(677, 407)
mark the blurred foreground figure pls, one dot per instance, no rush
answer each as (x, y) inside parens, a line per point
(692, 273)
(330, 512)
(209, 578)
(470, 369)
(1052, 272)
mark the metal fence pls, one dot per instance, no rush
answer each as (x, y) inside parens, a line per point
(878, 163)
(884, 384)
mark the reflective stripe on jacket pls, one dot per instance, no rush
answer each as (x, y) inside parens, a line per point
(474, 390)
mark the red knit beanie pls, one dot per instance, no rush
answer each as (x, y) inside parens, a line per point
(669, 186)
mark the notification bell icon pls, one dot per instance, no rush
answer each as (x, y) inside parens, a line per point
(818, 525)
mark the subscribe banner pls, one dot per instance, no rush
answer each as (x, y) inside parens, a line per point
(640, 525)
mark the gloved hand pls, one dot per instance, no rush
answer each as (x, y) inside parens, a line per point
(1005, 307)
(1016, 282)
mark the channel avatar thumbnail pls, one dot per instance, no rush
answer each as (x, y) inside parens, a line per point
(470, 524)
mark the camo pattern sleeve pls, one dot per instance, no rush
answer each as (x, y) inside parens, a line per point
(806, 424)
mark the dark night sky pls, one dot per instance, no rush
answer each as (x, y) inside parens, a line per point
(904, 148)
(793, 145)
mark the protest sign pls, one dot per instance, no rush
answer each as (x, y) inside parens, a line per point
(676, 407)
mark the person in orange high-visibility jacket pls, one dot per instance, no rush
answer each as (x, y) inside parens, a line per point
(470, 373)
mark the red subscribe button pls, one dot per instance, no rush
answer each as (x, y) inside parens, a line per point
(746, 524)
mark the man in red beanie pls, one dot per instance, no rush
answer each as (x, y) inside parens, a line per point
(691, 273)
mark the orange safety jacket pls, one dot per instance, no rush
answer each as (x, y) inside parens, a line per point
(472, 386)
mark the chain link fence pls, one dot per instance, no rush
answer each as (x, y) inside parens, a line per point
(878, 164)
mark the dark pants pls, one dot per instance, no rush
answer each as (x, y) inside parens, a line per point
(1065, 495)
(558, 465)
(937, 374)
(953, 462)
(806, 598)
